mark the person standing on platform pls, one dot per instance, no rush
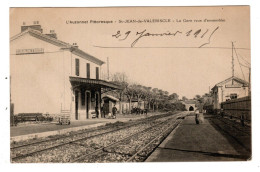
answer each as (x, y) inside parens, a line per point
(197, 117)
(114, 110)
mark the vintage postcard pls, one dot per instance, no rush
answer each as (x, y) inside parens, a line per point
(130, 84)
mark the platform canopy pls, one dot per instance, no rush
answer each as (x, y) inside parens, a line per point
(111, 98)
(95, 84)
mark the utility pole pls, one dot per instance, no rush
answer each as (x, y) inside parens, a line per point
(249, 80)
(232, 64)
(108, 68)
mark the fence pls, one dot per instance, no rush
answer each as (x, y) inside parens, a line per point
(24, 117)
(238, 108)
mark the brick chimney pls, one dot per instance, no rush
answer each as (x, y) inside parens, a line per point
(75, 45)
(52, 34)
(35, 26)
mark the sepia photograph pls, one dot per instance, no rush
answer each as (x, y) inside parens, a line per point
(130, 84)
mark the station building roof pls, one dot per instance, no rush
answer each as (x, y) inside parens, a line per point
(234, 78)
(111, 98)
(85, 83)
(53, 40)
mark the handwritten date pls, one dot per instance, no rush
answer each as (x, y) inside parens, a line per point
(189, 33)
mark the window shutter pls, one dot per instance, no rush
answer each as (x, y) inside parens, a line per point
(88, 70)
(97, 72)
(77, 67)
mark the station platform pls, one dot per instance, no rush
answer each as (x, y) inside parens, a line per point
(197, 142)
(36, 130)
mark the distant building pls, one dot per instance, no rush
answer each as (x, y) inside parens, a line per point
(54, 77)
(124, 105)
(231, 88)
(136, 104)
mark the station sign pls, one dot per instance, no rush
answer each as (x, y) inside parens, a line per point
(233, 86)
(30, 51)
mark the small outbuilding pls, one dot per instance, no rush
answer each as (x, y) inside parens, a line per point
(108, 103)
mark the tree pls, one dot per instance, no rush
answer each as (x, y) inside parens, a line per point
(207, 98)
(179, 106)
(197, 97)
(119, 77)
(148, 96)
(139, 92)
(173, 96)
(121, 80)
(184, 98)
(175, 106)
(199, 100)
(166, 93)
(129, 92)
(155, 97)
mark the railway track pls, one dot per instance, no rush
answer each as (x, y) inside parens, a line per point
(74, 135)
(45, 140)
(244, 129)
(116, 151)
(234, 133)
(153, 144)
(32, 142)
(70, 141)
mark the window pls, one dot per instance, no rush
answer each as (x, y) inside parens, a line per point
(97, 72)
(77, 67)
(88, 70)
(233, 96)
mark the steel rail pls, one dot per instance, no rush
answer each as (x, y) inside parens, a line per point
(230, 135)
(84, 138)
(156, 138)
(81, 133)
(234, 125)
(117, 142)
(52, 139)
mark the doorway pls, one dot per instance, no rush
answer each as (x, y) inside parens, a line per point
(191, 108)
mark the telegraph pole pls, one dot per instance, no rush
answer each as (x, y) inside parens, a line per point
(232, 64)
(249, 80)
(108, 68)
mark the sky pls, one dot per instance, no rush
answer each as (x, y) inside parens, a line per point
(171, 63)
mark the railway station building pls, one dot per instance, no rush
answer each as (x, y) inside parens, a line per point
(53, 77)
(229, 89)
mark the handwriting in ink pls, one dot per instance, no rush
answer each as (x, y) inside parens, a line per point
(123, 36)
(118, 34)
(209, 37)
